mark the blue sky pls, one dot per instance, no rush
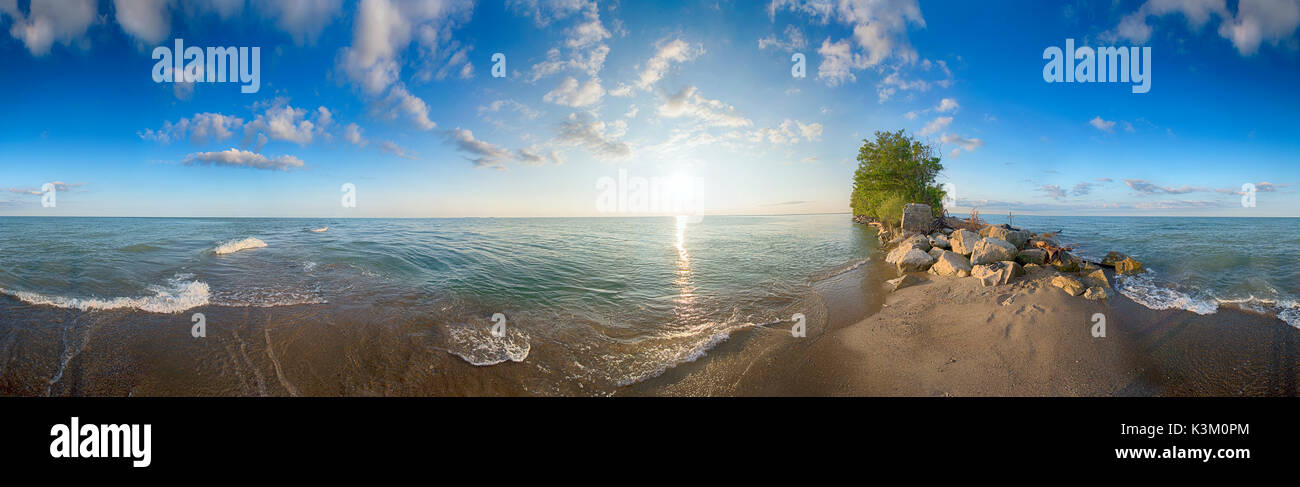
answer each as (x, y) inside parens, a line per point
(398, 99)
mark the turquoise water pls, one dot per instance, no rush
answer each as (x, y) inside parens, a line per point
(1196, 264)
(628, 297)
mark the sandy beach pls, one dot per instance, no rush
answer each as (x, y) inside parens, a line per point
(954, 337)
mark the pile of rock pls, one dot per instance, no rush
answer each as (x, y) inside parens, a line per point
(996, 255)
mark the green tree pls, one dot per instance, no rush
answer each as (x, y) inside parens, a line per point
(894, 170)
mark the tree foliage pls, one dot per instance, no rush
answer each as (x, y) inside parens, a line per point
(894, 170)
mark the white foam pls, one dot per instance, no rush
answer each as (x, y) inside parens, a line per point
(321, 229)
(177, 296)
(1145, 291)
(238, 245)
(478, 346)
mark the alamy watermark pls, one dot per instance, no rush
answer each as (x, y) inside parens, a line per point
(190, 65)
(1101, 65)
(678, 194)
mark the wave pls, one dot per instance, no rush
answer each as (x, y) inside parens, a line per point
(238, 245)
(478, 346)
(1145, 290)
(318, 230)
(174, 297)
(671, 356)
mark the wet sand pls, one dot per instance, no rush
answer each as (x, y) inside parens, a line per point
(944, 337)
(953, 337)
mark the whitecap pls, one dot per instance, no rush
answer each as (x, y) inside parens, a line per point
(174, 297)
(238, 245)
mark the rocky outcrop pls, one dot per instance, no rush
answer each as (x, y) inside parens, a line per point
(1032, 256)
(1066, 262)
(914, 260)
(1014, 236)
(997, 273)
(939, 240)
(992, 249)
(1123, 264)
(1070, 285)
(963, 242)
(1096, 278)
(1096, 293)
(951, 264)
(917, 218)
(917, 242)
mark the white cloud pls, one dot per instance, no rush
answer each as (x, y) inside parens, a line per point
(394, 149)
(412, 106)
(936, 125)
(1102, 125)
(240, 158)
(45, 23)
(788, 132)
(353, 134)
(879, 33)
(963, 143)
(1255, 22)
(947, 105)
(303, 20)
(794, 40)
(689, 103)
(574, 94)
(483, 154)
(594, 135)
(667, 53)
(281, 121)
(203, 127)
(383, 30)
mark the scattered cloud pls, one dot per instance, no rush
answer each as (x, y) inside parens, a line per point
(1107, 126)
(571, 93)
(240, 158)
(936, 125)
(1254, 23)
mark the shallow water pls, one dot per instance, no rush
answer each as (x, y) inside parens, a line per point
(602, 302)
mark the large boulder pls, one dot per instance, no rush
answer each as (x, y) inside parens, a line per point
(1123, 264)
(1015, 237)
(935, 252)
(914, 260)
(904, 281)
(917, 217)
(917, 242)
(1032, 256)
(963, 241)
(997, 273)
(939, 240)
(992, 249)
(951, 264)
(1070, 285)
(1066, 262)
(1096, 278)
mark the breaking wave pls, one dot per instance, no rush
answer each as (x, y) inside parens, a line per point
(177, 295)
(238, 245)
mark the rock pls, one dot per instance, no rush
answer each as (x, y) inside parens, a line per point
(895, 255)
(946, 231)
(939, 240)
(917, 242)
(917, 217)
(935, 252)
(1113, 258)
(1015, 237)
(1070, 285)
(992, 249)
(1096, 278)
(997, 273)
(1032, 256)
(902, 282)
(1067, 262)
(914, 260)
(963, 242)
(1096, 293)
(1032, 268)
(951, 264)
(1123, 264)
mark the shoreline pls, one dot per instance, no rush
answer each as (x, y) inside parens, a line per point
(952, 336)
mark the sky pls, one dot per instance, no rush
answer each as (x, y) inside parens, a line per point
(399, 100)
